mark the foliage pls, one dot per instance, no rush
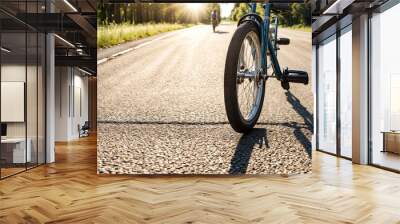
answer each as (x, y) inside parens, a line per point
(299, 27)
(297, 14)
(114, 34)
(138, 13)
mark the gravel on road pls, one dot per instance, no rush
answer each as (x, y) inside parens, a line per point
(202, 149)
(161, 111)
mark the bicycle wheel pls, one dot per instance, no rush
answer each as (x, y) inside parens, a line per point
(244, 88)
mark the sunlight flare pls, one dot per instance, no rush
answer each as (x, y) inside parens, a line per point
(194, 7)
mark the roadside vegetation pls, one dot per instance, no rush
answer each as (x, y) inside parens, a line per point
(114, 34)
(297, 16)
(299, 27)
(119, 23)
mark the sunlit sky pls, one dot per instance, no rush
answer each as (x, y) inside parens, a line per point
(226, 9)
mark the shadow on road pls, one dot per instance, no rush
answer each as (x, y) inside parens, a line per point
(244, 149)
(308, 120)
(220, 32)
(258, 136)
(300, 109)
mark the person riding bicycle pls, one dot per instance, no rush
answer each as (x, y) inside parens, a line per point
(214, 19)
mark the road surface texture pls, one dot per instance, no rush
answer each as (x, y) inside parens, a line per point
(161, 110)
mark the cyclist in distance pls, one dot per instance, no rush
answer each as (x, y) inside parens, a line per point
(214, 19)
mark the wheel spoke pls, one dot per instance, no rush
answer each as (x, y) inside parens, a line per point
(249, 85)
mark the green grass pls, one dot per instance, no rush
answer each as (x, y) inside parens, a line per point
(114, 34)
(299, 27)
(228, 21)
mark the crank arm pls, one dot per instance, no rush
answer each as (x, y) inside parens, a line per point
(246, 74)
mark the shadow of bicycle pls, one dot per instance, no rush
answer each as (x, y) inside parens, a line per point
(300, 109)
(220, 32)
(244, 149)
(308, 121)
(258, 137)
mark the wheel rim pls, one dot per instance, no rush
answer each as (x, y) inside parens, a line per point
(249, 84)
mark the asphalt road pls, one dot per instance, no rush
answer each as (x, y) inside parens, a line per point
(161, 110)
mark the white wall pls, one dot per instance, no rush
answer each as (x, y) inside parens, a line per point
(62, 82)
(70, 83)
(33, 126)
(12, 73)
(13, 101)
(80, 84)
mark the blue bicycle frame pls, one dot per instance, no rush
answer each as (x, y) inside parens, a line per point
(238, 70)
(270, 47)
(266, 43)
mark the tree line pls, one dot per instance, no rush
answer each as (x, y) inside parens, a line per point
(296, 14)
(137, 13)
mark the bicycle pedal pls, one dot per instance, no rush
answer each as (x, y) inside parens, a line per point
(296, 76)
(283, 41)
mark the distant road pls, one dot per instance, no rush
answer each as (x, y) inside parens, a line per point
(172, 89)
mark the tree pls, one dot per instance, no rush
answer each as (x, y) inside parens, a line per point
(298, 14)
(135, 13)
